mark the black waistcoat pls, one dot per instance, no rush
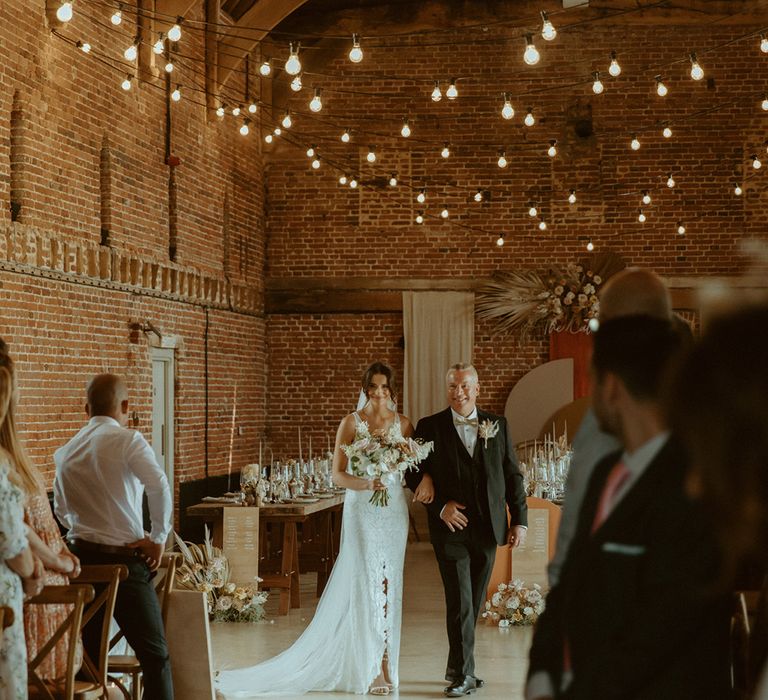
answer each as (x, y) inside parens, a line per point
(472, 478)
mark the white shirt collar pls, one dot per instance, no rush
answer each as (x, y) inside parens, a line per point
(106, 420)
(637, 462)
(471, 416)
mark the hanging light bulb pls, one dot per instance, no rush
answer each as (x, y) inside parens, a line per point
(265, 69)
(355, 53)
(542, 225)
(316, 104)
(697, 72)
(548, 31)
(421, 197)
(500, 240)
(737, 190)
(244, 129)
(311, 151)
(529, 120)
(316, 163)
(420, 217)
(646, 197)
(287, 121)
(220, 111)
(680, 228)
(437, 93)
(345, 137)
(269, 138)
(614, 69)
(371, 157)
(531, 54)
(764, 103)
(502, 162)
(126, 84)
(667, 132)
(117, 16)
(296, 83)
(452, 93)
(132, 51)
(641, 217)
(590, 245)
(661, 89)
(478, 195)
(343, 179)
(552, 150)
(64, 13)
(353, 183)
(169, 67)
(159, 46)
(406, 130)
(176, 94)
(84, 46)
(764, 43)
(635, 144)
(174, 33)
(756, 164)
(445, 213)
(572, 197)
(670, 181)
(253, 108)
(236, 111)
(277, 131)
(507, 111)
(393, 180)
(533, 210)
(446, 152)
(597, 84)
(293, 64)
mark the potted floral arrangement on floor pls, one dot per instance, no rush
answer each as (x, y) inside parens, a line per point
(514, 603)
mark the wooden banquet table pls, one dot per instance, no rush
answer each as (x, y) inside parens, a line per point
(284, 558)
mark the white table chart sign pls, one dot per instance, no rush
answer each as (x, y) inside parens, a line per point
(529, 561)
(240, 542)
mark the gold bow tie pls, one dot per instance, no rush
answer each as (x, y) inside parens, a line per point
(460, 420)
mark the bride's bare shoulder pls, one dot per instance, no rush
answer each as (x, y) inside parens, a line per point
(406, 427)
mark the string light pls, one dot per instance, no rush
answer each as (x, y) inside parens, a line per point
(117, 16)
(355, 53)
(405, 132)
(572, 197)
(764, 43)
(393, 180)
(277, 131)
(661, 89)
(353, 183)
(421, 197)
(343, 179)
(296, 83)
(446, 152)
(531, 54)
(646, 197)
(174, 33)
(437, 93)
(84, 46)
(420, 217)
(667, 132)
(670, 181)
(478, 195)
(529, 120)
(311, 151)
(507, 111)
(316, 163)
(597, 85)
(126, 84)
(641, 216)
(64, 13)
(756, 164)
(236, 111)
(159, 46)
(614, 69)
(220, 111)
(764, 103)
(533, 211)
(590, 245)
(176, 94)
(345, 137)
(552, 150)
(500, 240)
(265, 69)
(737, 190)
(452, 93)
(371, 157)
(316, 104)
(132, 51)
(169, 67)
(548, 31)
(445, 213)
(293, 64)
(253, 108)
(635, 144)
(680, 228)
(269, 138)
(244, 129)
(287, 122)
(542, 225)
(697, 72)
(502, 162)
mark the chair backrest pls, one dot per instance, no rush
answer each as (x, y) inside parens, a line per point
(107, 577)
(6, 619)
(76, 595)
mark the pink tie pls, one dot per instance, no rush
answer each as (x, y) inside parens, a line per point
(616, 478)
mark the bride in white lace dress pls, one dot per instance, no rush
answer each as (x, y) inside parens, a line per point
(353, 641)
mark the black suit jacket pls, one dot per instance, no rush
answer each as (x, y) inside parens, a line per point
(504, 481)
(636, 600)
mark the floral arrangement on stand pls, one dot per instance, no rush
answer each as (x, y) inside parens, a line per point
(205, 568)
(563, 299)
(515, 604)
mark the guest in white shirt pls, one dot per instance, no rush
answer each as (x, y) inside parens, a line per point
(101, 476)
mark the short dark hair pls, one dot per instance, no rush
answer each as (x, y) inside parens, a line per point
(379, 368)
(639, 350)
(105, 393)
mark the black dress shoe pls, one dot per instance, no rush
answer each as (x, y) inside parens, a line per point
(479, 682)
(463, 685)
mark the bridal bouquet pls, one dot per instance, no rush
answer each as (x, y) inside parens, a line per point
(515, 604)
(386, 457)
(205, 568)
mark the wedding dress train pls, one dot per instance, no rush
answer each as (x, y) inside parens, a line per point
(358, 616)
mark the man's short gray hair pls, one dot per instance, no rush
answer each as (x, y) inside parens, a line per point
(462, 367)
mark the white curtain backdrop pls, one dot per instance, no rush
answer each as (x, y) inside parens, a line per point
(439, 329)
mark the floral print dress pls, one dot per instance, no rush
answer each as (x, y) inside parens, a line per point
(13, 541)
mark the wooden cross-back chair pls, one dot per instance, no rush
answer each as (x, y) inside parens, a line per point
(127, 664)
(76, 595)
(6, 619)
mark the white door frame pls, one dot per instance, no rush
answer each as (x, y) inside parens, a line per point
(163, 418)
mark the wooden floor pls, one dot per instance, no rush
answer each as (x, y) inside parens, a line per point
(500, 655)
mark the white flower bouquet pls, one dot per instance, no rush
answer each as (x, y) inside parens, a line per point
(515, 604)
(386, 457)
(205, 568)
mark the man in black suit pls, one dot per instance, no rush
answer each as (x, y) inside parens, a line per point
(636, 614)
(475, 475)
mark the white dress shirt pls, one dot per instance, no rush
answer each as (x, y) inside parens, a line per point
(467, 433)
(101, 475)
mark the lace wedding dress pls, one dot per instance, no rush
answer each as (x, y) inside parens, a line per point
(358, 616)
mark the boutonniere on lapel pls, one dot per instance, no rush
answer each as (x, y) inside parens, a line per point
(488, 430)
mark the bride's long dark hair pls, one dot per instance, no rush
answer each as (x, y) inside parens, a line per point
(379, 368)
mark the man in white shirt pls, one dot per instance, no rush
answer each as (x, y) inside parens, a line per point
(101, 476)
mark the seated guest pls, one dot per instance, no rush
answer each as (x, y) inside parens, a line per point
(101, 476)
(634, 615)
(719, 407)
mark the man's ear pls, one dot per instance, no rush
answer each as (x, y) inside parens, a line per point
(87, 410)
(124, 407)
(613, 387)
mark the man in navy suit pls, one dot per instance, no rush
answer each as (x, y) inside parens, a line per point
(476, 478)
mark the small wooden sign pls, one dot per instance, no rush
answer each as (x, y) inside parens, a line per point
(189, 645)
(529, 561)
(240, 542)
